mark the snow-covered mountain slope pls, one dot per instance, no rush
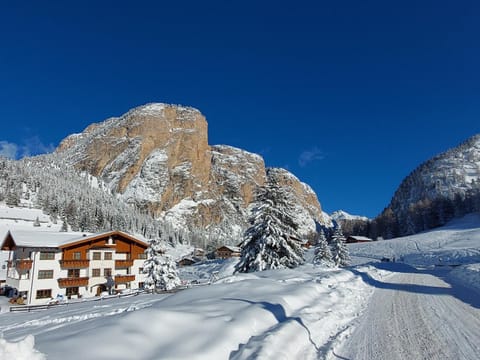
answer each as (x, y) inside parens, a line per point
(456, 243)
(340, 215)
(52, 189)
(453, 172)
(445, 186)
(157, 157)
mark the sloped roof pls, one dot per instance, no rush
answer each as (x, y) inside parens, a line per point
(47, 239)
(231, 248)
(360, 238)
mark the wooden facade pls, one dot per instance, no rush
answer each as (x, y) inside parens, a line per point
(80, 266)
(225, 252)
(115, 240)
(357, 239)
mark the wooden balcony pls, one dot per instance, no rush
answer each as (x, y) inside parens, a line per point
(119, 264)
(122, 279)
(73, 282)
(74, 264)
(21, 264)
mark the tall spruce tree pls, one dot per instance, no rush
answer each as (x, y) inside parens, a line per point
(339, 249)
(323, 255)
(160, 268)
(271, 241)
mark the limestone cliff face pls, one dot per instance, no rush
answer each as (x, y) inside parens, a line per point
(157, 156)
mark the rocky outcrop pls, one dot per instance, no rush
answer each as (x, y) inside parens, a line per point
(441, 188)
(158, 157)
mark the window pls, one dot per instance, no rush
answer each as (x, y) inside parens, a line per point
(107, 272)
(141, 285)
(142, 256)
(44, 294)
(72, 291)
(140, 270)
(97, 256)
(107, 256)
(45, 274)
(77, 255)
(73, 273)
(47, 255)
(95, 272)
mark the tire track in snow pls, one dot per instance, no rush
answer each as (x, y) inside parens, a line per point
(414, 316)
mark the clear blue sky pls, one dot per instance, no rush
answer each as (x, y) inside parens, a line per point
(348, 95)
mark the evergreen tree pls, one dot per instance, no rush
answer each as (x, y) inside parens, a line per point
(271, 241)
(64, 227)
(323, 255)
(160, 268)
(339, 249)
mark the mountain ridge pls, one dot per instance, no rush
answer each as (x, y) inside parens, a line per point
(443, 187)
(157, 157)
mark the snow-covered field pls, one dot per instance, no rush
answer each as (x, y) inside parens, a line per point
(455, 245)
(288, 314)
(305, 313)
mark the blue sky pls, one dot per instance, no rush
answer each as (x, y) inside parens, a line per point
(348, 95)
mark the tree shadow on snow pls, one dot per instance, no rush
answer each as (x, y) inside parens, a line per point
(414, 288)
(456, 290)
(459, 291)
(278, 312)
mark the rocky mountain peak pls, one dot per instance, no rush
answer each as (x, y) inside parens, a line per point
(157, 156)
(439, 189)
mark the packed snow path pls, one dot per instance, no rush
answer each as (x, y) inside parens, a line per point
(416, 315)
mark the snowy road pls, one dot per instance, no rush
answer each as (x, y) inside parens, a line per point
(415, 315)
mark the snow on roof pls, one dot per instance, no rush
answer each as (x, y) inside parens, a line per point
(24, 214)
(362, 238)
(231, 248)
(343, 215)
(26, 238)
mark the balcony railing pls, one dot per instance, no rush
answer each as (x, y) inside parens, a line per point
(74, 264)
(121, 279)
(21, 264)
(123, 263)
(73, 282)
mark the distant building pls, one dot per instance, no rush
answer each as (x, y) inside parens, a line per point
(42, 265)
(226, 251)
(186, 261)
(357, 239)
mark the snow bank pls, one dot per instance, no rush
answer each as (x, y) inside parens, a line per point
(281, 314)
(468, 276)
(21, 350)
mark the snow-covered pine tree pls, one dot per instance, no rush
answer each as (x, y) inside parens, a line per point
(323, 255)
(160, 268)
(339, 249)
(271, 241)
(64, 227)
